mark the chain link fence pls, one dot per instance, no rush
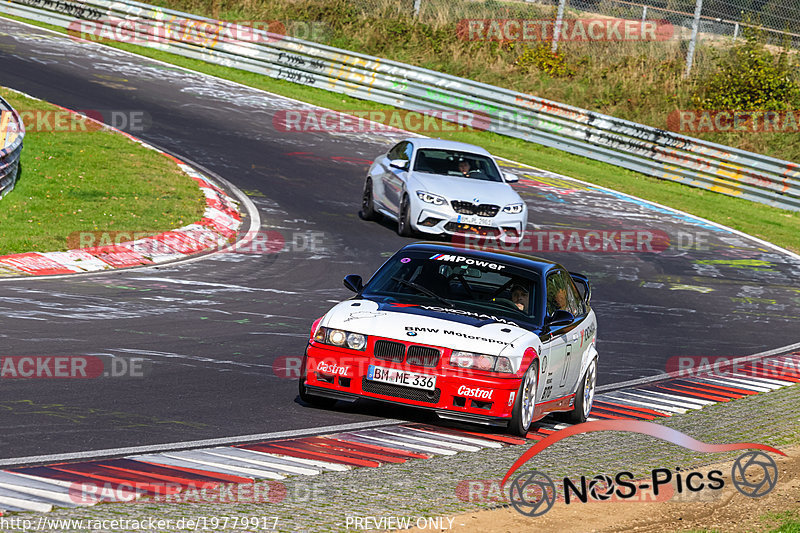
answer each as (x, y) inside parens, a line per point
(717, 19)
(779, 18)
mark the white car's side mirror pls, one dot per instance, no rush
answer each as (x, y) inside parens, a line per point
(402, 164)
(510, 177)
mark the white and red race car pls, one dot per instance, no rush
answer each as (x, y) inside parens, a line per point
(497, 338)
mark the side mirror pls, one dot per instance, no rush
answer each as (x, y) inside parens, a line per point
(402, 164)
(353, 282)
(510, 177)
(561, 318)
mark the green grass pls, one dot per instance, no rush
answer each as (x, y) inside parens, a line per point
(773, 522)
(81, 181)
(778, 226)
(790, 526)
(783, 521)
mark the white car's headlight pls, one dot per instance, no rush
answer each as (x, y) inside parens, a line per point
(429, 198)
(343, 339)
(479, 361)
(513, 209)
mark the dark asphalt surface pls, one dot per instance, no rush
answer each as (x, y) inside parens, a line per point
(215, 332)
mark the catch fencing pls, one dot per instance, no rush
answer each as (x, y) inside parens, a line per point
(12, 131)
(778, 19)
(652, 151)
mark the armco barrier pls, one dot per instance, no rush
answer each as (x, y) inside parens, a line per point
(12, 131)
(645, 149)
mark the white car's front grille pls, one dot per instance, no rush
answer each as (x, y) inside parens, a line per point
(468, 208)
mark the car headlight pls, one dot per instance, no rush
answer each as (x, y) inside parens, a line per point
(513, 209)
(479, 361)
(343, 339)
(429, 198)
(356, 341)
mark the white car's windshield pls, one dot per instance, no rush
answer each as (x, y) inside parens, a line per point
(457, 282)
(455, 163)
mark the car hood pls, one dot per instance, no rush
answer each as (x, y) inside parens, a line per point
(425, 324)
(467, 189)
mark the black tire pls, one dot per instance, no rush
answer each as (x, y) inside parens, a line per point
(525, 403)
(584, 396)
(403, 221)
(368, 203)
(311, 399)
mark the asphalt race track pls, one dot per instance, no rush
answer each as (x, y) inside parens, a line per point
(216, 332)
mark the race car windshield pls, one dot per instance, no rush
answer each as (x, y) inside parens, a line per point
(452, 281)
(455, 163)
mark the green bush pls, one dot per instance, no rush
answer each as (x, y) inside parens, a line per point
(748, 77)
(544, 59)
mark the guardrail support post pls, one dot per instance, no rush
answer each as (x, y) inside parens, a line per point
(557, 27)
(417, 6)
(693, 41)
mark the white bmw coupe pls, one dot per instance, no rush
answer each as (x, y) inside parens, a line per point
(437, 187)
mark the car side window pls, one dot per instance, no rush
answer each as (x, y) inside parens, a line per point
(580, 308)
(580, 305)
(555, 298)
(409, 149)
(562, 294)
(401, 151)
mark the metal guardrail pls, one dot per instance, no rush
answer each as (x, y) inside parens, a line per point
(626, 144)
(12, 131)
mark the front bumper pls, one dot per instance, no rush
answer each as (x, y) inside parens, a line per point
(464, 395)
(442, 413)
(443, 220)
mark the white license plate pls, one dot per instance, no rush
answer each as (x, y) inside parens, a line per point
(474, 220)
(401, 377)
